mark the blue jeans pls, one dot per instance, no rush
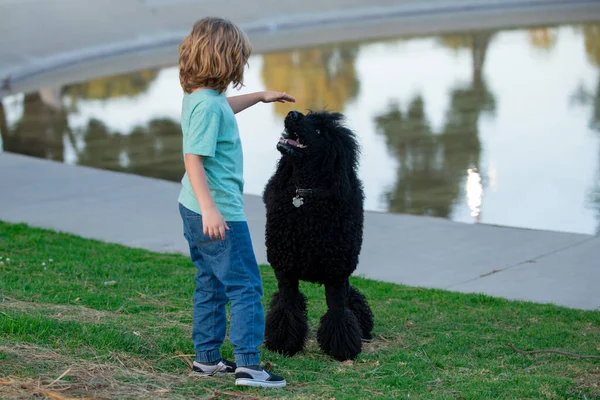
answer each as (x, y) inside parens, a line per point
(227, 270)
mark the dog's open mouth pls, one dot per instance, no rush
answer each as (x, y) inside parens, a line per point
(292, 142)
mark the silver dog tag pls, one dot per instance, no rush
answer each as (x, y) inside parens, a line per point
(297, 201)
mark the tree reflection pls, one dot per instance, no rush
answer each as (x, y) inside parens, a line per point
(39, 132)
(3, 127)
(153, 150)
(125, 85)
(543, 38)
(432, 167)
(101, 149)
(322, 77)
(591, 34)
(592, 43)
(592, 47)
(421, 185)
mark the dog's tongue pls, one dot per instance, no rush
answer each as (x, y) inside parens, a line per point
(289, 141)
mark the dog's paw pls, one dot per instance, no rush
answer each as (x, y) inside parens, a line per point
(339, 335)
(286, 325)
(359, 306)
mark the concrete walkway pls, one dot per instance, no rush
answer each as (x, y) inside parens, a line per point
(140, 212)
(65, 41)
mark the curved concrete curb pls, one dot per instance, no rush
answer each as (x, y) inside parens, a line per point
(314, 28)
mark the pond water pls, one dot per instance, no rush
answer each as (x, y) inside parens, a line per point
(498, 127)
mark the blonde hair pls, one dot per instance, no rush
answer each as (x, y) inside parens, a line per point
(213, 55)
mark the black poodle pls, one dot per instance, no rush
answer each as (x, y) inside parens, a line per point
(314, 233)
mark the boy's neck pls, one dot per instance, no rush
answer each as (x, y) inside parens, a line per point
(203, 88)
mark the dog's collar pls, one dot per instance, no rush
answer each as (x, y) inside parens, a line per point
(312, 192)
(298, 200)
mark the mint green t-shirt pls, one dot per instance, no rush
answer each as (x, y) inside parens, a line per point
(210, 130)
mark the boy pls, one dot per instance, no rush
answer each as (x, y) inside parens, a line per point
(211, 57)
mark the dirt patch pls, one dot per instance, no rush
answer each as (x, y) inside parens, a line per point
(590, 383)
(384, 342)
(59, 311)
(127, 377)
(82, 314)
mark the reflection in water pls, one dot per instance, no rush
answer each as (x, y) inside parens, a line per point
(592, 48)
(128, 85)
(543, 38)
(432, 167)
(418, 109)
(3, 126)
(319, 78)
(474, 189)
(40, 130)
(421, 186)
(153, 150)
(591, 34)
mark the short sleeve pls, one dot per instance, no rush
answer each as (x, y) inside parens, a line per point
(203, 132)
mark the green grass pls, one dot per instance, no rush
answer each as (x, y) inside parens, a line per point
(119, 340)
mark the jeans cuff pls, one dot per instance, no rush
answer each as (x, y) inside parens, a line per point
(246, 359)
(209, 356)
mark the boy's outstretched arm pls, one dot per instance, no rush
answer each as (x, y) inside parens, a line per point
(241, 102)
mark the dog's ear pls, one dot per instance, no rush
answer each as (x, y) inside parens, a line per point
(341, 176)
(283, 174)
(284, 171)
(344, 159)
(331, 123)
(337, 117)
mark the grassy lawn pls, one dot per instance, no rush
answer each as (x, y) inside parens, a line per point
(115, 319)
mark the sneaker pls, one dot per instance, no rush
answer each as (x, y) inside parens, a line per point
(257, 378)
(221, 368)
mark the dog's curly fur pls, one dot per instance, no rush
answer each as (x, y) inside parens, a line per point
(319, 241)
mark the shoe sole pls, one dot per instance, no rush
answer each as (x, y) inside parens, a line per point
(255, 383)
(202, 374)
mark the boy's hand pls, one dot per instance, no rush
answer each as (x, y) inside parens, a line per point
(213, 224)
(281, 97)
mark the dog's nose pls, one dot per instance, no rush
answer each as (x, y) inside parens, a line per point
(294, 115)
